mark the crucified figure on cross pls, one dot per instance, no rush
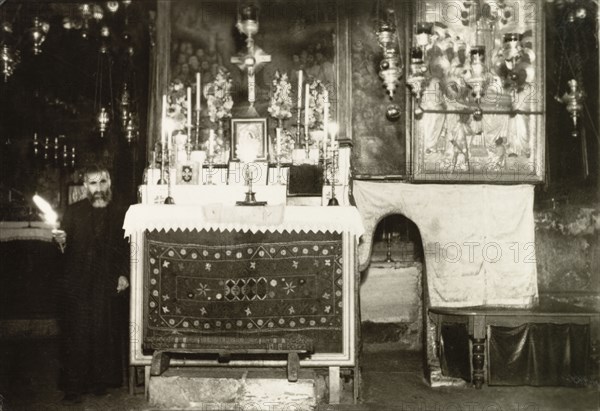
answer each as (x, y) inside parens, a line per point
(254, 57)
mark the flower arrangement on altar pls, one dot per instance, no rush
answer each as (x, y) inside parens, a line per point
(177, 106)
(218, 96)
(318, 96)
(280, 106)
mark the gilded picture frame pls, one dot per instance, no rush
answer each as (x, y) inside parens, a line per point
(488, 131)
(249, 133)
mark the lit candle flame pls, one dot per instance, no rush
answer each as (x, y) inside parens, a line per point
(48, 213)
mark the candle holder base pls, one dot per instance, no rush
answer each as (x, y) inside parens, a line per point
(333, 202)
(251, 200)
(169, 200)
(161, 181)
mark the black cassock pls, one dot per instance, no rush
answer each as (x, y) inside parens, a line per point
(94, 315)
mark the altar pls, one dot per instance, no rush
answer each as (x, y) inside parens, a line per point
(224, 280)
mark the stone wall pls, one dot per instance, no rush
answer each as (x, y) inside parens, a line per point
(568, 254)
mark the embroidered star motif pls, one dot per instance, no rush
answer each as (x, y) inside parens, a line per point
(166, 310)
(326, 296)
(203, 311)
(248, 311)
(313, 309)
(180, 266)
(327, 309)
(207, 266)
(253, 265)
(291, 310)
(289, 287)
(166, 264)
(203, 289)
(295, 264)
(316, 263)
(328, 263)
(177, 310)
(165, 297)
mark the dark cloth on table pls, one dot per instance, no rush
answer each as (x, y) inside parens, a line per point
(93, 314)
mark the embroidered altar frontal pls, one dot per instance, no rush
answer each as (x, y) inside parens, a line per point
(235, 290)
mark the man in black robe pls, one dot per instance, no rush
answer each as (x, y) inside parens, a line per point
(94, 320)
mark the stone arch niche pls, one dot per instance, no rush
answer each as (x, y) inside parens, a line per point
(392, 297)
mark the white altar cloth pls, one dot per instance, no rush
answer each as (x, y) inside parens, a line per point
(22, 230)
(277, 218)
(208, 194)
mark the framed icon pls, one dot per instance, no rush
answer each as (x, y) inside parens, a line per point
(249, 138)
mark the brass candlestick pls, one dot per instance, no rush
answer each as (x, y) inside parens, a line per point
(333, 201)
(250, 197)
(162, 180)
(169, 199)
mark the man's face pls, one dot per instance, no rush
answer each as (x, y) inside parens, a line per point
(98, 188)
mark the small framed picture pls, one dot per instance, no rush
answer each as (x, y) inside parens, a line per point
(249, 139)
(187, 174)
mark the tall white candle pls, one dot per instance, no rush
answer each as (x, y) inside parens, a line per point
(198, 91)
(163, 131)
(306, 105)
(189, 107)
(325, 121)
(299, 89)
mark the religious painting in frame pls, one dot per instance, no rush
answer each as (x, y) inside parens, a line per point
(201, 37)
(481, 111)
(249, 135)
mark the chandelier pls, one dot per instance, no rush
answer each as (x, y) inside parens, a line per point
(9, 55)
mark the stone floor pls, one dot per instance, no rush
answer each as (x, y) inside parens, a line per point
(392, 380)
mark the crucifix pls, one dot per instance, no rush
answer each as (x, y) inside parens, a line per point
(252, 60)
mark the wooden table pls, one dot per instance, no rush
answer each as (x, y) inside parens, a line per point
(479, 319)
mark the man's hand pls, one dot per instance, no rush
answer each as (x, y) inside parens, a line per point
(123, 284)
(60, 236)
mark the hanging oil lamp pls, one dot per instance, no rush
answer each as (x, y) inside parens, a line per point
(9, 55)
(574, 101)
(38, 34)
(103, 120)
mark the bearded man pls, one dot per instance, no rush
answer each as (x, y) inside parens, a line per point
(94, 320)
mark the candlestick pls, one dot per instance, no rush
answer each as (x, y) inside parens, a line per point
(189, 108)
(299, 89)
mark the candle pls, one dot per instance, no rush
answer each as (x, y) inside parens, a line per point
(306, 104)
(189, 108)
(163, 132)
(299, 89)
(325, 121)
(198, 92)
